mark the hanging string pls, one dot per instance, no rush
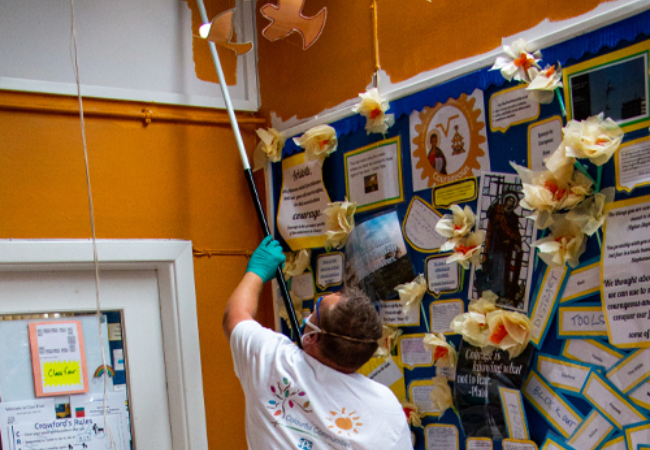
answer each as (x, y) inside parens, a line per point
(75, 64)
(375, 38)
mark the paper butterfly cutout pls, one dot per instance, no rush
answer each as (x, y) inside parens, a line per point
(286, 17)
(221, 30)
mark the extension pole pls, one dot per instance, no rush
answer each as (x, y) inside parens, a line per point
(248, 173)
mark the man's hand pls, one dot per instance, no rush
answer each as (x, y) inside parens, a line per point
(262, 266)
(265, 260)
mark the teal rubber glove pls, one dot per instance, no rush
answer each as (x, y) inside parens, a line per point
(266, 259)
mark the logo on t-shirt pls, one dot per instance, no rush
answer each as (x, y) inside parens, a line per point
(304, 444)
(344, 423)
(286, 397)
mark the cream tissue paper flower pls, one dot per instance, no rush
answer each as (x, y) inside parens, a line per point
(374, 108)
(543, 83)
(518, 61)
(565, 244)
(509, 331)
(296, 263)
(411, 294)
(270, 147)
(441, 394)
(318, 142)
(387, 341)
(458, 224)
(593, 138)
(466, 250)
(412, 413)
(444, 353)
(340, 222)
(590, 214)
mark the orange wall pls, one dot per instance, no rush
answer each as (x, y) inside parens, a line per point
(414, 37)
(165, 180)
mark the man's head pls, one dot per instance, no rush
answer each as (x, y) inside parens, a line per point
(433, 140)
(350, 329)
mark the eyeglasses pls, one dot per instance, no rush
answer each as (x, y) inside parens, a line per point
(321, 331)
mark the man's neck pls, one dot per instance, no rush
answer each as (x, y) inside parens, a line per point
(315, 353)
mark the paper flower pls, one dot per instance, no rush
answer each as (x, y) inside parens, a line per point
(473, 327)
(484, 304)
(340, 222)
(444, 353)
(270, 147)
(318, 142)
(466, 250)
(412, 413)
(517, 62)
(296, 263)
(544, 193)
(441, 394)
(561, 165)
(374, 108)
(458, 224)
(565, 244)
(593, 138)
(509, 331)
(410, 294)
(387, 341)
(589, 215)
(297, 306)
(543, 83)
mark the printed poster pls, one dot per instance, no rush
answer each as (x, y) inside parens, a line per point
(376, 259)
(449, 141)
(58, 358)
(507, 255)
(626, 273)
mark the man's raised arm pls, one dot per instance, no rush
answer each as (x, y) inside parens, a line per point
(261, 268)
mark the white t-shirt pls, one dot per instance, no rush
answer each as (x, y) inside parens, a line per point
(295, 402)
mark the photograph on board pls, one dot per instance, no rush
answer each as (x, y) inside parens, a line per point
(507, 257)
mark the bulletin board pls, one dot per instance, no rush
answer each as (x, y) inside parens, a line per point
(486, 123)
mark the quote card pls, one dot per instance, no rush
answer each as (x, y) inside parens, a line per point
(562, 373)
(58, 358)
(511, 107)
(392, 313)
(303, 198)
(581, 321)
(592, 432)
(519, 444)
(591, 351)
(420, 394)
(631, 371)
(441, 437)
(638, 434)
(479, 443)
(551, 405)
(374, 174)
(442, 313)
(554, 442)
(329, 269)
(419, 227)
(545, 303)
(513, 411)
(632, 164)
(610, 402)
(582, 282)
(543, 138)
(641, 395)
(626, 272)
(412, 352)
(442, 278)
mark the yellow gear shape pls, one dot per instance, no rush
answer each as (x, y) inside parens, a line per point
(466, 106)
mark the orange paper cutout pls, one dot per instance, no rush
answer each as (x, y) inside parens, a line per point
(221, 30)
(286, 17)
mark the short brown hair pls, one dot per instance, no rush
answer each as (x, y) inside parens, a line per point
(353, 316)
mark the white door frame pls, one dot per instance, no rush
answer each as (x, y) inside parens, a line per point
(172, 259)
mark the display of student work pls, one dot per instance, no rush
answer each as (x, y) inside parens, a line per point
(56, 392)
(501, 224)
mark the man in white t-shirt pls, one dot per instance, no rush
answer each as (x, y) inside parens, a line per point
(313, 398)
